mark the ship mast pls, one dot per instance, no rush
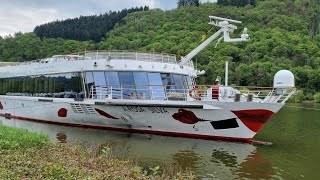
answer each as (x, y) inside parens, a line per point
(225, 28)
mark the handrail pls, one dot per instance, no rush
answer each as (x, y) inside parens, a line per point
(130, 51)
(114, 55)
(182, 92)
(177, 92)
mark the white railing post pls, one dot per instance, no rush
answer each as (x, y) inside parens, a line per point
(150, 92)
(121, 92)
(91, 92)
(165, 93)
(111, 92)
(288, 96)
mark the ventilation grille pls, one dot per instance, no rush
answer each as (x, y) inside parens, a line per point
(83, 109)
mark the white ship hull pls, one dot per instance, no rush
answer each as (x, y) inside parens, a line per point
(197, 119)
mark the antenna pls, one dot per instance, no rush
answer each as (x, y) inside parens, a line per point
(223, 19)
(225, 28)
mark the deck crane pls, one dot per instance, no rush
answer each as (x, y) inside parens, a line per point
(225, 28)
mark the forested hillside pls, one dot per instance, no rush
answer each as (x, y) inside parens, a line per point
(85, 28)
(284, 35)
(28, 46)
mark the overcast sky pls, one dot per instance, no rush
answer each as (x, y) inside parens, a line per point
(24, 15)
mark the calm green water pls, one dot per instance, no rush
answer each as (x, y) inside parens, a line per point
(294, 154)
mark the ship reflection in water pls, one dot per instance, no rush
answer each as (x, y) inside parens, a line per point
(208, 159)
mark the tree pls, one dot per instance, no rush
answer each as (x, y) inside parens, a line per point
(85, 28)
(238, 3)
(182, 3)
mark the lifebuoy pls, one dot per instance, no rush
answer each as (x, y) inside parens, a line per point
(195, 95)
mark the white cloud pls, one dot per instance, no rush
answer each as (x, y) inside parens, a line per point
(15, 18)
(24, 15)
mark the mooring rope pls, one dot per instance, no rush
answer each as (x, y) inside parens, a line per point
(315, 109)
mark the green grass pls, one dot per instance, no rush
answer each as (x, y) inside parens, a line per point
(28, 155)
(21, 139)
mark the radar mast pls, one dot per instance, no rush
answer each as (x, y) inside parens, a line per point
(225, 28)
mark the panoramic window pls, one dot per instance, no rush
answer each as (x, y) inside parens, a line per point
(168, 82)
(89, 80)
(127, 85)
(141, 81)
(100, 85)
(59, 85)
(113, 84)
(179, 83)
(157, 89)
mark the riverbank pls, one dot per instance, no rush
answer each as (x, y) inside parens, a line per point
(25, 154)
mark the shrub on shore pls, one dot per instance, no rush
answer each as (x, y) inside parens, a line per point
(298, 98)
(28, 155)
(316, 97)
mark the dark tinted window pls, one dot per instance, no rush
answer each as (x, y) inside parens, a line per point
(57, 85)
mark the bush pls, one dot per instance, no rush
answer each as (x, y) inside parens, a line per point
(298, 98)
(13, 139)
(316, 97)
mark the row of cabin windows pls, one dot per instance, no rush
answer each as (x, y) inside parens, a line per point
(122, 84)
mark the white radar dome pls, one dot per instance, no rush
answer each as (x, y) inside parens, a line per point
(283, 79)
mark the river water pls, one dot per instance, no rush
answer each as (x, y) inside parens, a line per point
(294, 153)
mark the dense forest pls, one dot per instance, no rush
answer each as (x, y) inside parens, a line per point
(182, 3)
(84, 28)
(238, 3)
(284, 34)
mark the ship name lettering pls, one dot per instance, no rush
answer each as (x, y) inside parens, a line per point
(124, 119)
(158, 110)
(133, 109)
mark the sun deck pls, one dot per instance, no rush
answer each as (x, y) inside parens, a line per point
(108, 55)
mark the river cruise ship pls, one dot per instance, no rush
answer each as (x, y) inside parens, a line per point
(139, 92)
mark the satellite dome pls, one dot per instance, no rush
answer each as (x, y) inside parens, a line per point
(283, 79)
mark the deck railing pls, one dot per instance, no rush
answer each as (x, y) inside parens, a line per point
(176, 93)
(127, 55)
(191, 93)
(111, 55)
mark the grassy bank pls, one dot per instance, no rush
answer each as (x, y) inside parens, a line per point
(27, 155)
